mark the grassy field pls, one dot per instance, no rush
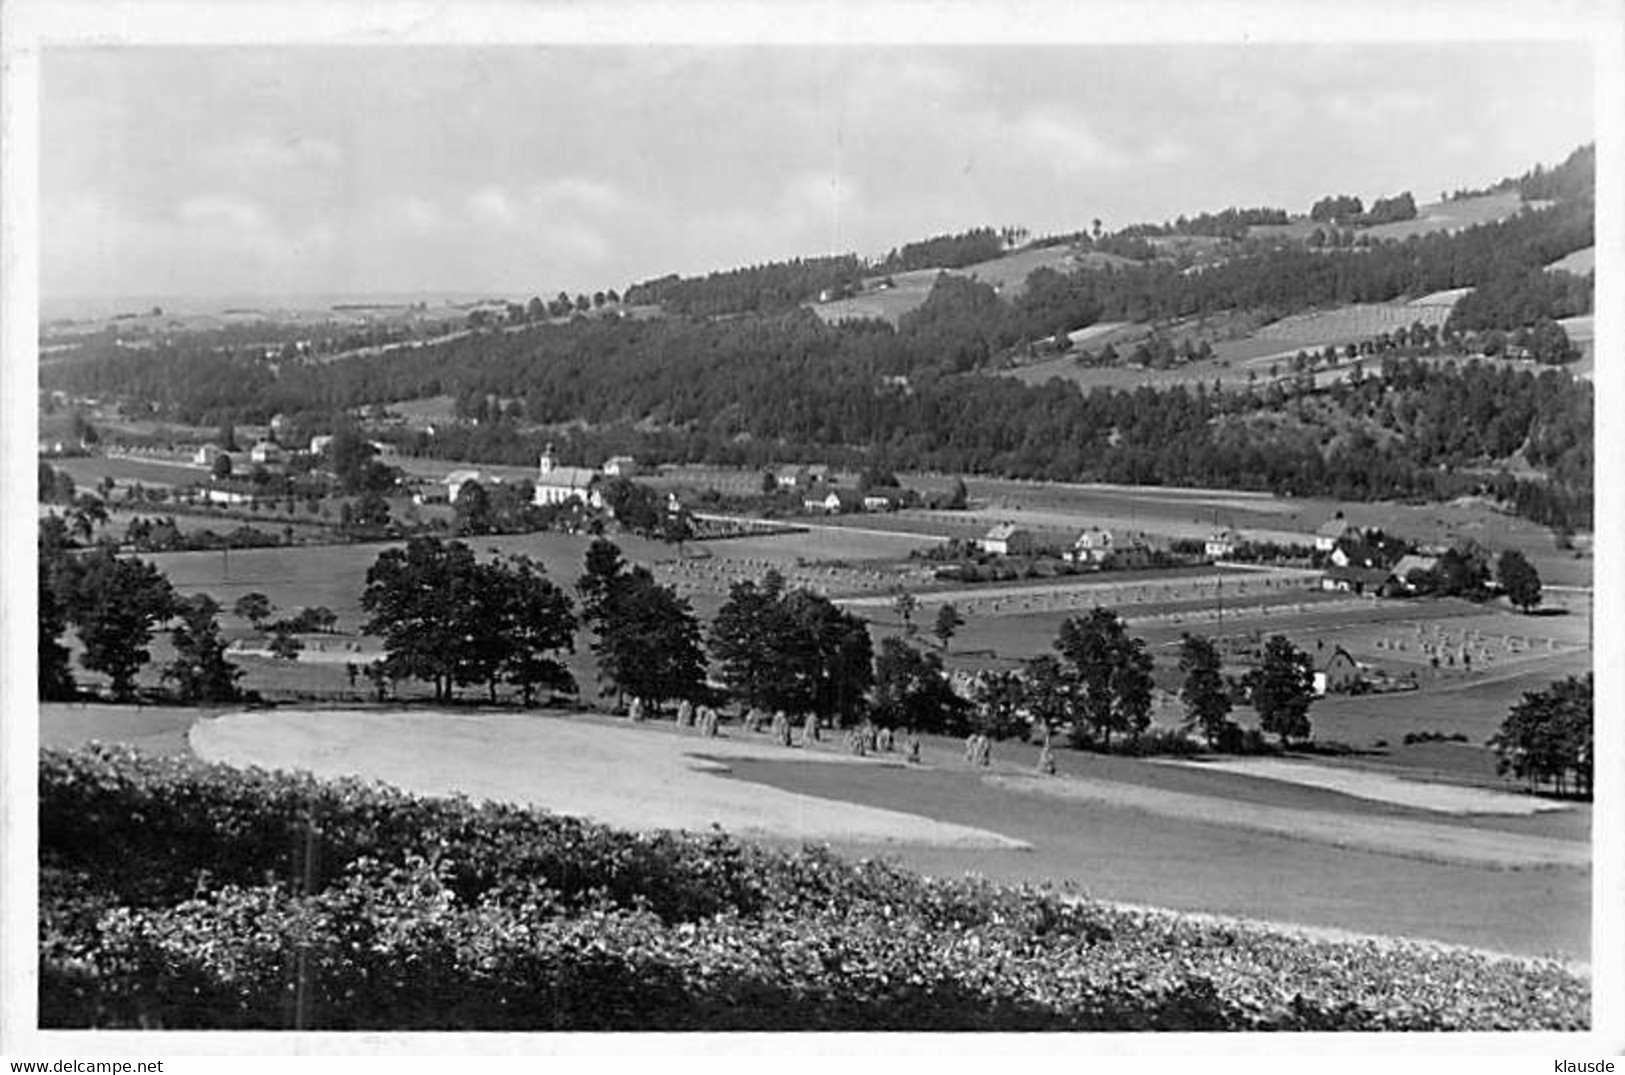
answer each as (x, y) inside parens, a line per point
(1346, 324)
(1455, 215)
(1118, 852)
(1118, 829)
(1008, 274)
(1196, 512)
(1579, 263)
(163, 471)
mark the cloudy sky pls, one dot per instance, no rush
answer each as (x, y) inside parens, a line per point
(527, 170)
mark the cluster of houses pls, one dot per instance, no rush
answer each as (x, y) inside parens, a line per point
(1360, 566)
(555, 483)
(271, 451)
(820, 494)
(1093, 547)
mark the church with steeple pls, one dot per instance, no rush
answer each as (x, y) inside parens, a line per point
(557, 484)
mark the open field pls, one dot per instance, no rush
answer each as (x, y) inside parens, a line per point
(1007, 274)
(1187, 837)
(1579, 263)
(153, 729)
(636, 778)
(1385, 787)
(86, 471)
(430, 409)
(1112, 850)
(1196, 512)
(1173, 836)
(1346, 324)
(1455, 215)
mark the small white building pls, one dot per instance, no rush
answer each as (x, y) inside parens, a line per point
(1334, 530)
(1221, 543)
(455, 481)
(621, 466)
(206, 455)
(319, 444)
(1412, 562)
(1093, 546)
(557, 484)
(226, 496)
(1007, 539)
(877, 502)
(265, 452)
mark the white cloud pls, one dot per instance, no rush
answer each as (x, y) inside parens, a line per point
(413, 214)
(492, 205)
(1066, 142)
(257, 153)
(222, 211)
(577, 194)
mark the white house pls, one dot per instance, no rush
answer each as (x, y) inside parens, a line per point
(1329, 533)
(1412, 562)
(266, 452)
(1221, 543)
(799, 476)
(877, 502)
(455, 481)
(1007, 539)
(226, 496)
(319, 444)
(621, 466)
(557, 484)
(206, 455)
(1093, 546)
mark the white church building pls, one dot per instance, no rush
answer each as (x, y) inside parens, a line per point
(556, 484)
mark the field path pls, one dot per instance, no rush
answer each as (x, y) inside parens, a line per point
(1380, 787)
(1391, 836)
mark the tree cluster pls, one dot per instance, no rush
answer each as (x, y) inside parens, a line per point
(1549, 738)
(647, 639)
(115, 604)
(953, 251)
(451, 620)
(792, 650)
(768, 288)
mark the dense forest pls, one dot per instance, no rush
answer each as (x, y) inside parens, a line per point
(766, 288)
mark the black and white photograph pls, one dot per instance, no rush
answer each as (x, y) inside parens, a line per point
(917, 527)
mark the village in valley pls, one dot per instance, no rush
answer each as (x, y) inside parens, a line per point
(1131, 626)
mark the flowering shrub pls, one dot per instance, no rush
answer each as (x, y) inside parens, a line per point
(182, 895)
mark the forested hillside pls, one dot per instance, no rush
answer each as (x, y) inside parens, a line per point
(748, 388)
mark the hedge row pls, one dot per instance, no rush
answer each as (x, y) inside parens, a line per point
(177, 895)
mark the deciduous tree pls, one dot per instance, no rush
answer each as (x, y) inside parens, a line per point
(200, 670)
(1207, 702)
(1113, 672)
(912, 691)
(115, 604)
(1283, 688)
(1550, 737)
(1519, 579)
(947, 624)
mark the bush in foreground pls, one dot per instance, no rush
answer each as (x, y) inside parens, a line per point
(181, 895)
